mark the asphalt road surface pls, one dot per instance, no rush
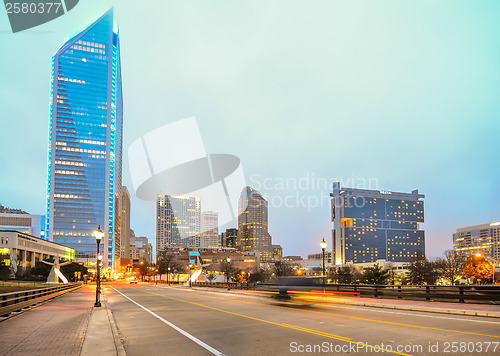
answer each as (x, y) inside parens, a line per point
(158, 320)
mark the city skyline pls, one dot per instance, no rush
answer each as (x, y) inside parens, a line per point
(396, 110)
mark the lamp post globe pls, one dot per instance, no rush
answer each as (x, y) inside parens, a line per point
(323, 245)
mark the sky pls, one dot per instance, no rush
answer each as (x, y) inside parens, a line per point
(389, 95)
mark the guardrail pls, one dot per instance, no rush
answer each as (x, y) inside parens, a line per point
(478, 293)
(16, 301)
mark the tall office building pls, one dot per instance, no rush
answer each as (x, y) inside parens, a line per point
(85, 143)
(229, 237)
(371, 225)
(483, 238)
(253, 224)
(209, 229)
(125, 224)
(177, 222)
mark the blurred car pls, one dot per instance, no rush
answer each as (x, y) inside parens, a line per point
(133, 281)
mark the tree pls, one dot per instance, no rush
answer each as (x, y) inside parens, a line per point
(210, 277)
(345, 274)
(69, 270)
(259, 275)
(167, 260)
(4, 271)
(422, 271)
(143, 269)
(478, 268)
(375, 275)
(41, 270)
(451, 265)
(228, 268)
(282, 268)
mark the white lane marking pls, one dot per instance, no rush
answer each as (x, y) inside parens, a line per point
(186, 334)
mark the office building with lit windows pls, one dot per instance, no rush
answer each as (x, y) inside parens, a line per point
(177, 222)
(228, 238)
(209, 237)
(371, 225)
(253, 235)
(484, 239)
(85, 143)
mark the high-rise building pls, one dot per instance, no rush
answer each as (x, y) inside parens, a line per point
(19, 220)
(483, 238)
(229, 237)
(209, 229)
(177, 221)
(253, 224)
(140, 250)
(125, 224)
(277, 252)
(85, 143)
(371, 225)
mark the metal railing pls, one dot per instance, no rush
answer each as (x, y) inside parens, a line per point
(16, 301)
(478, 293)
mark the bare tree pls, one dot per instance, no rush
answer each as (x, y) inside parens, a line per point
(451, 265)
(167, 260)
(282, 268)
(345, 274)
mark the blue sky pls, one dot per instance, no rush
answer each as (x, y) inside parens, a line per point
(404, 93)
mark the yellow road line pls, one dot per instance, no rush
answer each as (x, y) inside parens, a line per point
(294, 327)
(364, 319)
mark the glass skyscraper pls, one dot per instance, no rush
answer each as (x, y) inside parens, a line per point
(371, 225)
(85, 143)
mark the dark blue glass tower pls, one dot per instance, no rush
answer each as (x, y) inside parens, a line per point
(85, 143)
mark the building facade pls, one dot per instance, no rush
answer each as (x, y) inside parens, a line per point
(19, 220)
(125, 224)
(229, 237)
(85, 143)
(141, 250)
(483, 238)
(277, 252)
(253, 224)
(209, 237)
(371, 225)
(177, 221)
(20, 251)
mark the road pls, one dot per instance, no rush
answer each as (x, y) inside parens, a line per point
(159, 320)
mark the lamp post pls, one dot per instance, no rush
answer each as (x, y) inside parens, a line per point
(168, 276)
(323, 248)
(99, 234)
(156, 273)
(190, 275)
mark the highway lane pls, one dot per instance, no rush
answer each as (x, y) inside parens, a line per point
(158, 320)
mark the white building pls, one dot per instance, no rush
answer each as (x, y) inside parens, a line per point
(209, 229)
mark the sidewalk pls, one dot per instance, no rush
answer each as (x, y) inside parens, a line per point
(66, 325)
(484, 310)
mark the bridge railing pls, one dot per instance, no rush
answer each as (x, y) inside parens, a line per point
(16, 301)
(460, 294)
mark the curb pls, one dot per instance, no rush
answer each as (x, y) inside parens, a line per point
(120, 349)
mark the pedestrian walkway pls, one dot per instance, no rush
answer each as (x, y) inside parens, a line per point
(67, 325)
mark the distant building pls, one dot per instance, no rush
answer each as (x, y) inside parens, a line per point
(316, 259)
(85, 143)
(140, 250)
(20, 251)
(209, 236)
(19, 220)
(229, 238)
(277, 252)
(177, 221)
(371, 225)
(253, 224)
(483, 238)
(125, 224)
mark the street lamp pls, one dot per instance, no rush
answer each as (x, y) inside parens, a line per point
(99, 234)
(156, 273)
(323, 248)
(168, 276)
(190, 265)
